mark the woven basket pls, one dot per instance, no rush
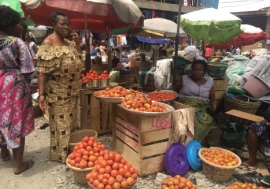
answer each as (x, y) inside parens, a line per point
(215, 172)
(99, 68)
(249, 107)
(217, 69)
(77, 136)
(127, 78)
(79, 174)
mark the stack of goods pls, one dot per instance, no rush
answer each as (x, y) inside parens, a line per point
(177, 182)
(93, 79)
(112, 171)
(244, 186)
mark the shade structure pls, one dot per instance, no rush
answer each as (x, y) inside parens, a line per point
(150, 40)
(14, 4)
(250, 36)
(101, 15)
(159, 27)
(211, 25)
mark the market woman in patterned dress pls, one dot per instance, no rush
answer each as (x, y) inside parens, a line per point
(59, 65)
(16, 111)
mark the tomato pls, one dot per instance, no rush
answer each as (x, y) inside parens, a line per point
(108, 187)
(127, 174)
(94, 174)
(85, 158)
(75, 148)
(97, 167)
(90, 142)
(131, 170)
(130, 181)
(90, 164)
(108, 169)
(72, 162)
(77, 155)
(83, 164)
(100, 186)
(111, 181)
(111, 155)
(103, 163)
(123, 161)
(117, 158)
(85, 152)
(105, 181)
(101, 170)
(77, 165)
(124, 184)
(116, 185)
(71, 156)
(85, 139)
(114, 173)
(96, 154)
(88, 176)
(78, 159)
(100, 177)
(107, 175)
(135, 175)
(119, 178)
(115, 166)
(95, 183)
(121, 171)
(109, 162)
(101, 153)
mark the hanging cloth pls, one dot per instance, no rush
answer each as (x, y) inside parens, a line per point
(153, 13)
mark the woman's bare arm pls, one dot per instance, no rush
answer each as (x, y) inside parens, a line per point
(212, 98)
(177, 84)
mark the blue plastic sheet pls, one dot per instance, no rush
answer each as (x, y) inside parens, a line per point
(150, 40)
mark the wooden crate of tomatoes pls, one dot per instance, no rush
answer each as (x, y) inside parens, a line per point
(142, 140)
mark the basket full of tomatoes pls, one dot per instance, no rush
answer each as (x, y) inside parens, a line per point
(112, 171)
(245, 185)
(218, 164)
(165, 96)
(83, 158)
(177, 182)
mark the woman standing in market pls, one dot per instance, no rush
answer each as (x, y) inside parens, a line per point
(30, 40)
(16, 110)
(197, 91)
(59, 81)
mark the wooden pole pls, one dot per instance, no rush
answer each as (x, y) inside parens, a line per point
(87, 47)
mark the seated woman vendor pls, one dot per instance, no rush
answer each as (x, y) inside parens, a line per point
(197, 91)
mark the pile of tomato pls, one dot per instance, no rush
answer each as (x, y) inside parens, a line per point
(239, 185)
(118, 92)
(112, 171)
(143, 104)
(93, 75)
(86, 153)
(158, 96)
(219, 157)
(177, 182)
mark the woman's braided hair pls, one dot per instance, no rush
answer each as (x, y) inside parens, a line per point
(54, 16)
(8, 17)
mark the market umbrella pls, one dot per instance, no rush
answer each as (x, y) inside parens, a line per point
(103, 14)
(159, 27)
(250, 36)
(14, 4)
(211, 25)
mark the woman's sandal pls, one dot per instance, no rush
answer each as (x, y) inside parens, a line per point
(249, 166)
(27, 165)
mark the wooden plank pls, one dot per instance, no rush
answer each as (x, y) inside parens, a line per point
(157, 135)
(220, 84)
(130, 155)
(154, 149)
(244, 115)
(104, 115)
(46, 115)
(132, 119)
(84, 113)
(128, 126)
(220, 94)
(151, 165)
(178, 105)
(155, 123)
(94, 114)
(129, 141)
(126, 131)
(78, 112)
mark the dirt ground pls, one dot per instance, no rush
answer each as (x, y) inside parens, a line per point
(46, 174)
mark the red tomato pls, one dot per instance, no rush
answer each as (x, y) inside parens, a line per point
(72, 162)
(71, 156)
(100, 177)
(90, 142)
(85, 158)
(119, 178)
(131, 170)
(86, 153)
(130, 181)
(77, 155)
(85, 139)
(121, 171)
(103, 163)
(111, 155)
(94, 174)
(108, 169)
(124, 184)
(88, 148)
(100, 186)
(108, 187)
(83, 164)
(111, 181)
(109, 162)
(114, 173)
(118, 158)
(78, 160)
(101, 170)
(116, 185)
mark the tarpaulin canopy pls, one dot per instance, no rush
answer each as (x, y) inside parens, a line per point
(150, 40)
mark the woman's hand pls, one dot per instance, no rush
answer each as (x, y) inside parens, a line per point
(42, 103)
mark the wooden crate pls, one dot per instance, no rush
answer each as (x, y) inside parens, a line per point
(142, 140)
(220, 86)
(93, 114)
